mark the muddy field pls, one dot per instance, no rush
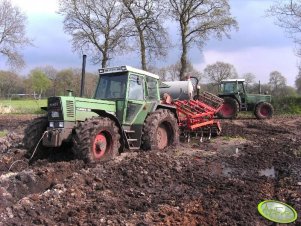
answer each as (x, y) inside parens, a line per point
(218, 182)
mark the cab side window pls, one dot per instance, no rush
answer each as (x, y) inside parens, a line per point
(240, 88)
(136, 90)
(152, 90)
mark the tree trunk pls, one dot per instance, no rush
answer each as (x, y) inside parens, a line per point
(104, 60)
(183, 63)
(142, 50)
(184, 52)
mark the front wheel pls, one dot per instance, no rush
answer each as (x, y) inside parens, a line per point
(33, 135)
(264, 110)
(96, 139)
(160, 130)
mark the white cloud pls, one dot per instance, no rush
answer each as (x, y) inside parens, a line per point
(37, 6)
(259, 61)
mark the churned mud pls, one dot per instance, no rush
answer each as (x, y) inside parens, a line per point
(217, 182)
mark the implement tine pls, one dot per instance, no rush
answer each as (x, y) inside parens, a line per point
(202, 135)
(209, 135)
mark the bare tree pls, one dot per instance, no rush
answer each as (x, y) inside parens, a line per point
(174, 71)
(249, 78)
(161, 72)
(146, 26)
(91, 83)
(12, 33)
(9, 83)
(277, 83)
(64, 81)
(198, 20)
(96, 27)
(288, 16)
(220, 71)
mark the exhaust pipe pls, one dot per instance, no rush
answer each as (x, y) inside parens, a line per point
(82, 86)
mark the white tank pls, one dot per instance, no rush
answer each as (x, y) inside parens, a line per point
(178, 90)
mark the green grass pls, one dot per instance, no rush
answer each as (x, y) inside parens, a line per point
(22, 106)
(3, 133)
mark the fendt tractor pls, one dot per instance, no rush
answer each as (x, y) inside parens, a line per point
(125, 113)
(237, 99)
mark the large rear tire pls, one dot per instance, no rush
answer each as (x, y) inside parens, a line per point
(229, 109)
(96, 140)
(264, 110)
(32, 135)
(160, 130)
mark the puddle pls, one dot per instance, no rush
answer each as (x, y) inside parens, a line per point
(230, 150)
(227, 171)
(268, 172)
(220, 169)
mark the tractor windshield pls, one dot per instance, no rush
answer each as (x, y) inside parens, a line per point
(112, 86)
(228, 87)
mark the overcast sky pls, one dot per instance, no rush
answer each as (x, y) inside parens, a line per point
(259, 46)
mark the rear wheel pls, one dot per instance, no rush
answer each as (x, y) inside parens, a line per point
(33, 134)
(264, 110)
(229, 109)
(96, 139)
(160, 130)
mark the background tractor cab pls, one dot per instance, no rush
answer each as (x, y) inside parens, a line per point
(237, 99)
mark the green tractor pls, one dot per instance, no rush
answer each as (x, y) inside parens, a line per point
(237, 99)
(125, 113)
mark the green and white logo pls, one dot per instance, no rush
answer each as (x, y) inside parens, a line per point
(277, 211)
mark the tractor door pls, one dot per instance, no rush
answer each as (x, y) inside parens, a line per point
(135, 98)
(134, 111)
(242, 95)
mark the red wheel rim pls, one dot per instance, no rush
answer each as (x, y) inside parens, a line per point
(162, 137)
(101, 145)
(264, 111)
(227, 109)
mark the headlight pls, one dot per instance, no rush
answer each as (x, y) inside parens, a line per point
(61, 124)
(55, 114)
(51, 124)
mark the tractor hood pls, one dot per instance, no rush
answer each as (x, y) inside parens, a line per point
(257, 98)
(72, 109)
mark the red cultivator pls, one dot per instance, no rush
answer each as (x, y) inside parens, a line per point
(197, 116)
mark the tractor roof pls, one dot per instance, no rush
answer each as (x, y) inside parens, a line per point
(126, 68)
(233, 80)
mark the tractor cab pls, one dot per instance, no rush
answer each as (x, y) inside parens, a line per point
(133, 91)
(234, 88)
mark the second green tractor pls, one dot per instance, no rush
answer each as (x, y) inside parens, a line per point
(237, 99)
